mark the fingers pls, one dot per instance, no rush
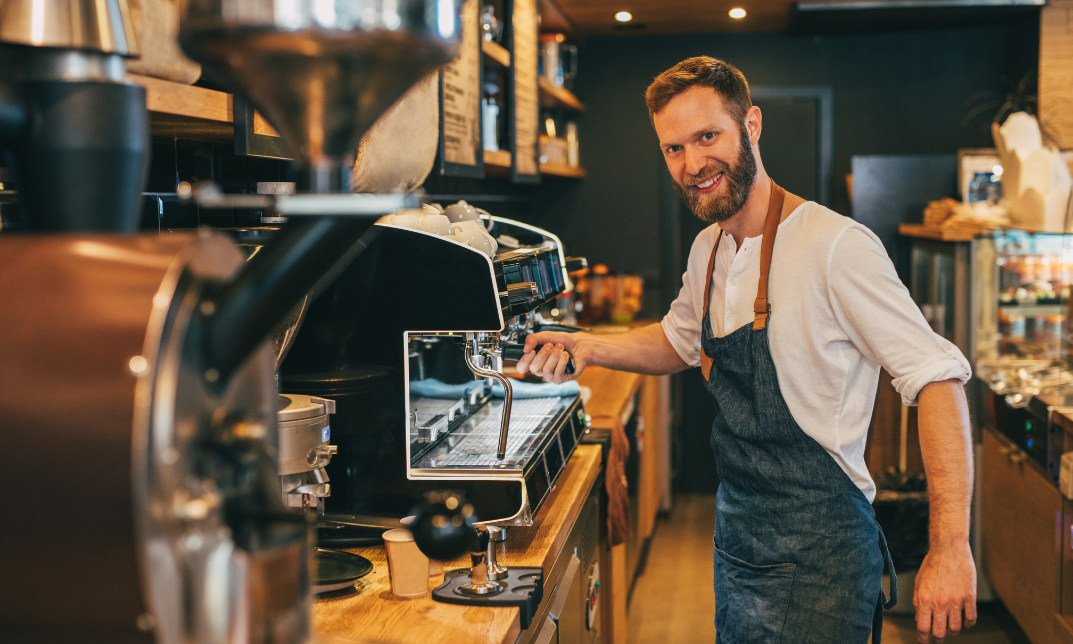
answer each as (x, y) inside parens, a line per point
(970, 611)
(560, 368)
(924, 624)
(549, 363)
(540, 363)
(534, 340)
(954, 621)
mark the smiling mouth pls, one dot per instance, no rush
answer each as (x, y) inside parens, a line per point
(709, 182)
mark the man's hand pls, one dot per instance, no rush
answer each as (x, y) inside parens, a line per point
(946, 583)
(642, 350)
(550, 362)
(945, 593)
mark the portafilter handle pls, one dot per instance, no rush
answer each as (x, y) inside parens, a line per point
(515, 351)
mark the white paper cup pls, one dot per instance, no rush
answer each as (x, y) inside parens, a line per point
(435, 567)
(407, 566)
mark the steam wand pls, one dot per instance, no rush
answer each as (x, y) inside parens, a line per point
(508, 393)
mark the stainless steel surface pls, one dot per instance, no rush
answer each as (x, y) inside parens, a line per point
(496, 536)
(95, 25)
(304, 452)
(100, 371)
(321, 73)
(508, 394)
(298, 407)
(308, 204)
(479, 581)
(46, 64)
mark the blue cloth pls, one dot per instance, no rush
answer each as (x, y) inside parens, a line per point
(798, 554)
(432, 388)
(521, 389)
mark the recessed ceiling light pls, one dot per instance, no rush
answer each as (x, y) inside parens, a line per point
(737, 13)
(624, 16)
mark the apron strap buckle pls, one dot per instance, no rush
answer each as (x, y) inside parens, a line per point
(762, 311)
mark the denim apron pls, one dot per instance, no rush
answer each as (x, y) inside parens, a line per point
(798, 555)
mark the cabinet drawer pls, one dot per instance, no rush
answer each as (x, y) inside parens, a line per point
(1022, 517)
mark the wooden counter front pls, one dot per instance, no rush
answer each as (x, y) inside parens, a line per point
(374, 613)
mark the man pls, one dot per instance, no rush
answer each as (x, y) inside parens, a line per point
(791, 310)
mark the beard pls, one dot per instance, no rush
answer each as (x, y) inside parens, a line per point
(714, 209)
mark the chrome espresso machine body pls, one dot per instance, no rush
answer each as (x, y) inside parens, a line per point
(416, 374)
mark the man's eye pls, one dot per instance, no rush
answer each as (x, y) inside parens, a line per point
(673, 148)
(708, 136)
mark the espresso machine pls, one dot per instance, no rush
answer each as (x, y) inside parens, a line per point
(139, 367)
(410, 342)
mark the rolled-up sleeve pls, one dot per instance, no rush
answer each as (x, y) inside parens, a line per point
(682, 324)
(878, 315)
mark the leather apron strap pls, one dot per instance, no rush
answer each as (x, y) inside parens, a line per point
(761, 307)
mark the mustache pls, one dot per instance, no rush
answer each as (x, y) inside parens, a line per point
(708, 173)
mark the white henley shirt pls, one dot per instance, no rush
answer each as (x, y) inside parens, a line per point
(838, 314)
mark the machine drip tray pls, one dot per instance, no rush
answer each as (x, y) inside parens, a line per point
(522, 587)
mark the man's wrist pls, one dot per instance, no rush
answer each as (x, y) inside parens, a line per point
(949, 540)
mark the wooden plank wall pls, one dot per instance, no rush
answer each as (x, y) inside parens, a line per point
(1056, 71)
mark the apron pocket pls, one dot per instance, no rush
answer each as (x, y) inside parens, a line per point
(751, 602)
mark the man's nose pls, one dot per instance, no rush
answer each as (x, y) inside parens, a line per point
(695, 162)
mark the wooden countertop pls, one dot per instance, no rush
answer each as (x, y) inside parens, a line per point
(374, 613)
(1064, 418)
(612, 394)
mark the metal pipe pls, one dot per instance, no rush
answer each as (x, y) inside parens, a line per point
(305, 257)
(508, 394)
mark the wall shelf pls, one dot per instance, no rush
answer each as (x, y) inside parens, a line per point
(562, 170)
(495, 53)
(498, 163)
(552, 95)
(178, 110)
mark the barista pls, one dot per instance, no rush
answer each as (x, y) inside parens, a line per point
(791, 310)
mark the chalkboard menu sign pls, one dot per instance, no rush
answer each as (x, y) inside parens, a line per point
(525, 124)
(461, 151)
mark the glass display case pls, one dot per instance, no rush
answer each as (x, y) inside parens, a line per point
(1003, 298)
(1022, 283)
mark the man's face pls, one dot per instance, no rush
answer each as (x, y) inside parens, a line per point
(708, 153)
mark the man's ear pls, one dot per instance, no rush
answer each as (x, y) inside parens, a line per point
(754, 121)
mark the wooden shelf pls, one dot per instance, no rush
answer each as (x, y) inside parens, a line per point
(562, 170)
(552, 95)
(184, 111)
(497, 164)
(495, 53)
(921, 231)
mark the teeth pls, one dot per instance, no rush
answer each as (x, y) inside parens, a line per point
(710, 182)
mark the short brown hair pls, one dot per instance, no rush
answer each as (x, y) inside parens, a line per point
(701, 71)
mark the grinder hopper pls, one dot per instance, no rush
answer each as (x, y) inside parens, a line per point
(321, 71)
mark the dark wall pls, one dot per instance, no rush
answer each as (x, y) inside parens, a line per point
(894, 93)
